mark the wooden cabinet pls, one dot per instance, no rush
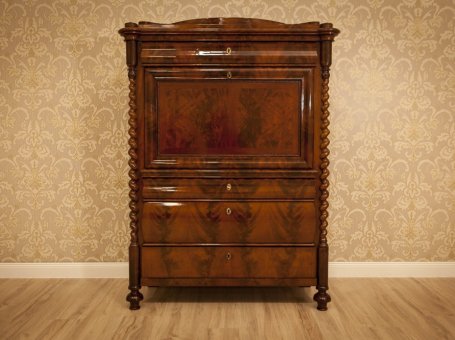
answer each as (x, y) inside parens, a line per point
(228, 153)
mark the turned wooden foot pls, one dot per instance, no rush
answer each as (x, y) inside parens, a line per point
(134, 297)
(322, 298)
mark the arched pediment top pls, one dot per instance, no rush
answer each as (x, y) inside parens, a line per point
(220, 25)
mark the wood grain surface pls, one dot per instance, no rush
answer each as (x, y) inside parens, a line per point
(275, 53)
(419, 309)
(229, 262)
(237, 117)
(228, 117)
(229, 222)
(229, 188)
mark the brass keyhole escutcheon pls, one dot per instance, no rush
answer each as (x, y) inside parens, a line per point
(229, 75)
(228, 50)
(228, 187)
(228, 256)
(228, 211)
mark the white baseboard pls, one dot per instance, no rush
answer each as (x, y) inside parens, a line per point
(59, 270)
(392, 269)
(120, 269)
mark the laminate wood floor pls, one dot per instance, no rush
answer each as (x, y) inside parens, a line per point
(96, 309)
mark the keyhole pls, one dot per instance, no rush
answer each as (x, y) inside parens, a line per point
(229, 75)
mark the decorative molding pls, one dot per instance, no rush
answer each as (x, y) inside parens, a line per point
(85, 270)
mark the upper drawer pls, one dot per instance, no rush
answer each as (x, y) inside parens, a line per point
(195, 188)
(229, 53)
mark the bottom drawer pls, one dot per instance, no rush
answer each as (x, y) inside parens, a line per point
(228, 262)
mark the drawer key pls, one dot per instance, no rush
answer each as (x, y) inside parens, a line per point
(228, 187)
(228, 211)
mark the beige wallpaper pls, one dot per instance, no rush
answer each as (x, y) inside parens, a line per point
(63, 106)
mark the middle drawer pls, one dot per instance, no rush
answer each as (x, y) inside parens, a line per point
(194, 188)
(229, 222)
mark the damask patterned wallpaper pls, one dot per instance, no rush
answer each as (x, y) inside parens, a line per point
(63, 130)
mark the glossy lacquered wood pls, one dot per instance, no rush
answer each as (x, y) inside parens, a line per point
(229, 188)
(209, 118)
(229, 282)
(228, 117)
(212, 53)
(229, 222)
(228, 262)
(228, 126)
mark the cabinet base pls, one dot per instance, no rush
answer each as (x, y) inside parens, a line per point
(228, 282)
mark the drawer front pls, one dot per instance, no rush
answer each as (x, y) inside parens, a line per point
(228, 262)
(229, 53)
(195, 188)
(229, 222)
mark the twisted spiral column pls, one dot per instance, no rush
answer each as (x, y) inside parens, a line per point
(134, 296)
(132, 152)
(322, 297)
(324, 154)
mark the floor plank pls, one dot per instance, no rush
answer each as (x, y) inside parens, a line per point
(96, 309)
